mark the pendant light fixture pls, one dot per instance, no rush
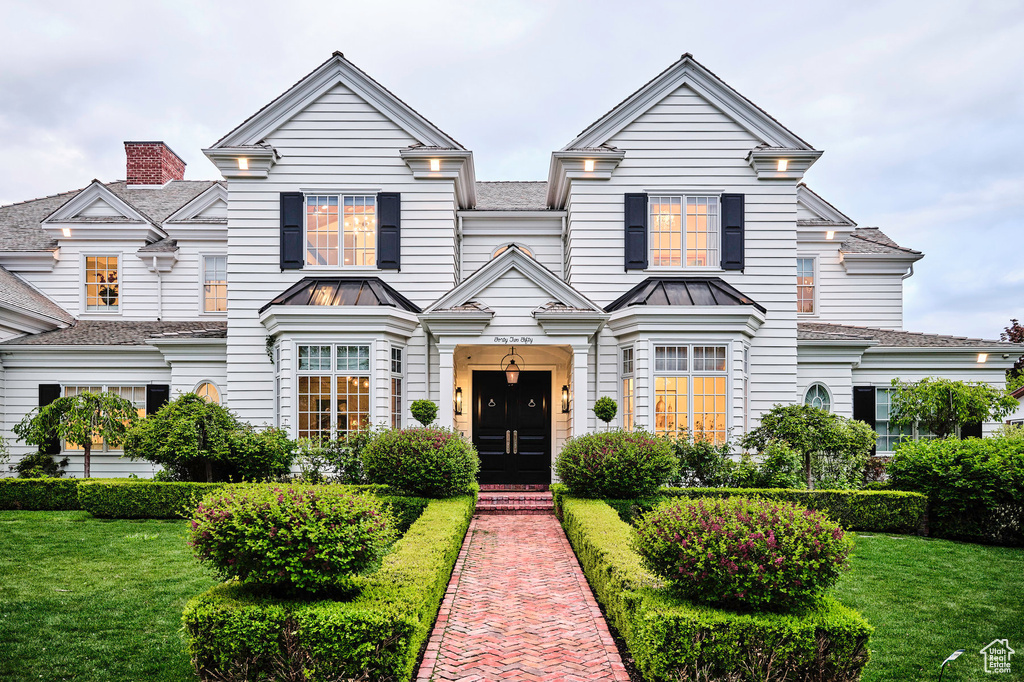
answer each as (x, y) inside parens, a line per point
(511, 369)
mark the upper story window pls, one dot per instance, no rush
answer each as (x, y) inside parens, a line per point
(805, 285)
(690, 391)
(341, 230)
(333, 390)
(684, 231)
(628, 390)
(102, 290)
(215, 284)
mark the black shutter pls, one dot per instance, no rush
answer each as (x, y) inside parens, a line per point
(732, 231)
(157, 396)
(292, 204)
(47, 394)
(971, 430)
(635, 251)
(389, 231)
(864, 406)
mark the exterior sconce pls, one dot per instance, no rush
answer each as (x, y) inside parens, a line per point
(435, 165)
(458, 400)
(511, 369)
(565, 399)
(243, 163)
(783, 165)
(588, 165)
(982, 358)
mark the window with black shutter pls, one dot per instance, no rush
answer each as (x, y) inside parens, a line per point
(292, 205)
(636, 232)
(389, 231)
(47, 394)
(157, 396)
(732, 231)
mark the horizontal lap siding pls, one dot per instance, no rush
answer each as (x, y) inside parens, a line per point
(338, 143)
(546, 248)
(684, 143)
(843, 298)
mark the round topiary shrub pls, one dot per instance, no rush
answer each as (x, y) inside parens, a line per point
(428, 462)
(617, 464)
(294, 539)
(743, 553)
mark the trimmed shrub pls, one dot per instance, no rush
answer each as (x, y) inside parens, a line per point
(430, 462)
(743, 553)
(702, 462)
(975, 487)
(615, 464)
(234, 633)
(41, 465)
(404, 510)
(423, 411)
(673, 639)
(138, 499)
(294, 539)
(39, 494)
(605, 409)
(260, 454)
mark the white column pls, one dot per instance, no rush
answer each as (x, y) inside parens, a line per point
(446, 380)
(580, 394)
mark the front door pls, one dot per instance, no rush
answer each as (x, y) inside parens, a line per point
(512, 427)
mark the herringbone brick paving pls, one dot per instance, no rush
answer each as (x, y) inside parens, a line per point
(518, 609)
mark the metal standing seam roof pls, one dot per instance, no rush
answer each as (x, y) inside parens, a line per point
(890, 338)
(683, 291)
(123, 333)
(343, 291)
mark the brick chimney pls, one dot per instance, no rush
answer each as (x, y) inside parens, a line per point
(152, 163)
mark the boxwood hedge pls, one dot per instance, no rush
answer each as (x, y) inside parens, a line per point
(131, 498)
(39, 494)
(672, 639)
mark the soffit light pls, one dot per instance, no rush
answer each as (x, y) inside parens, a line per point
(511, 369)
(831, 234)
(588, 165)
(435, 165)
(783, 165)
(243, 163)
(982, 357)
(66, 231)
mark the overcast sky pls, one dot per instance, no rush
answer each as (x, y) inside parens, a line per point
(919, 106)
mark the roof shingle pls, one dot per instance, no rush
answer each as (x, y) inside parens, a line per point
(15, 292)
(888, 338)
(512, 196)
(873, 240)
(122, 333)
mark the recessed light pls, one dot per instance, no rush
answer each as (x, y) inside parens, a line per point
(243, 163)
(588, 165)
(435, 165)
(783, 165)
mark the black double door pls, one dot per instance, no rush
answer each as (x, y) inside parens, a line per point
(512, 427)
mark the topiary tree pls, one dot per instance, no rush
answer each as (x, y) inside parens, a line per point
(429, 462)
(827, 443)
(424, 411)
(617, 464)
(943, 406)
(605, 409)
(80, 420)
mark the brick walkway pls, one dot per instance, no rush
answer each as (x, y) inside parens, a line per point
(518, 609)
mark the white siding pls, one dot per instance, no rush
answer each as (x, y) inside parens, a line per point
(857, 299)
(482, 237)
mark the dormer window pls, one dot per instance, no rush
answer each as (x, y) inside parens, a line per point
(102, 289)
(684, 231)
(345, 238)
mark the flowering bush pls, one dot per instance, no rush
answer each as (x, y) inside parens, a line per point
(295, 539)
(619, 464)
(743, 553)
(430, 462)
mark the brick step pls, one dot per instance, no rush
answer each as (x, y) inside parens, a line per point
(512, 503)
(513, 487)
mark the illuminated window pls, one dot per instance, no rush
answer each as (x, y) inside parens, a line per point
(102, 292)
(805, 285)
(136, 394)
(628, 390)
(215, 284)
(209, 392)
(684, 231)
(690, 391)
(396, 388)
(502, 249)
(817, 396)
(348, 239)
(333, 390)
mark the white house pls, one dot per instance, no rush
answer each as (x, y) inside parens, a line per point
(350, 262)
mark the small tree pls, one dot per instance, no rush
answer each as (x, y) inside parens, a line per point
(825, 441)
(605, 409)
(1014, 334)
(424, 411)
(942, 406)
(79, 420)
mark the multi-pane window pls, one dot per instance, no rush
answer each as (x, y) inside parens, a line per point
(102, 292)
(628, 390)
(396, 388)
(684, 231)
(889, 434)
(817, 396)
(805, 285)
(136, 394)
(333, 390)
(690, 391)
(341, 230)
(208, 392)
(215, 284)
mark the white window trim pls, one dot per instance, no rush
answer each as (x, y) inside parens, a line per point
(373, 373)
(104, 388)
(915, 433)
(622, 377)
(730, 389)
(202, 283)
(683, 194)
(341, 194)
(828, 392)
(220, 393)
(405, 392)
(83, 305)
(817, 286)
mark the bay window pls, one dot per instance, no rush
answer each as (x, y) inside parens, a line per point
(396, 387)
(690, 391)
(333, 390)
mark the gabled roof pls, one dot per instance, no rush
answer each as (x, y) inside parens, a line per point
(122, 333)
(513, 258)
(336, 70)
(343, 291)
(512, 196)
(683, 291)
(95, 193)
(192, 212)
(17, 293)
(688, 71)
(873, 240)
(827, 213)
(888, 338)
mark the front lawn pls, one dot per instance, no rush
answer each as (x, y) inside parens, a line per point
(927, 598)
(85, 599)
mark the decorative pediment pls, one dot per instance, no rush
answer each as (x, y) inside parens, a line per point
(96, 213)
(210, 206)
(812, 210)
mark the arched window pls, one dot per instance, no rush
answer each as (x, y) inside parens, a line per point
(208, 390)
(818, 396)
(502, 249)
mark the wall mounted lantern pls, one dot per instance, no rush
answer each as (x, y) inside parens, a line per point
(565, 399)
(458, 400)
(511, 369)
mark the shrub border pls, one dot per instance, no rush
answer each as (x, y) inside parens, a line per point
(39, 494)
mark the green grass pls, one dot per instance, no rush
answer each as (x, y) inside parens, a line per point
(84, 599)
(927, 598)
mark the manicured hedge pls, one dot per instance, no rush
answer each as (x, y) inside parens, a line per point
(39, 494)
(881, 511)
(672, 639)
(131, 498)
(236, 633)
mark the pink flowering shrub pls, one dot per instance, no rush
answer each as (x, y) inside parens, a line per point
(428, 462)
(294, 539)
(616, 464)
(743, 553)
